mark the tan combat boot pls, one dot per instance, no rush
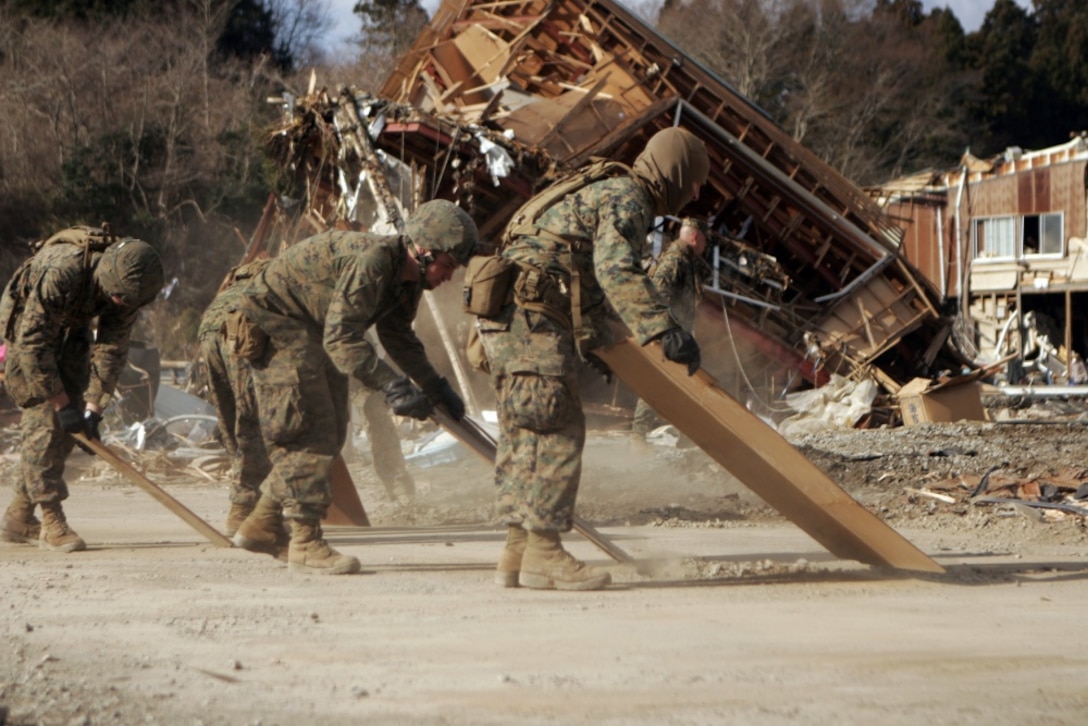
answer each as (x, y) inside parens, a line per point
(237, 515)
(310, 553)
(56, 535)
(547, 566)
(262, 531)
(19, 523)
(506, 574)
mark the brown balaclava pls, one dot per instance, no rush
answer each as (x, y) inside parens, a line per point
(672, 162)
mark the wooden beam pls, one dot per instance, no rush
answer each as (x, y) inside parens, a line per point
(759, 457)
(346, 507)
(122, 467)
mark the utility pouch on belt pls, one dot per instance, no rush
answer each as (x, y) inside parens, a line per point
(535, 289)
(487, 284)
(244, 338)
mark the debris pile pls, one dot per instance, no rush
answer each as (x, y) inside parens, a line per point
(495, 100)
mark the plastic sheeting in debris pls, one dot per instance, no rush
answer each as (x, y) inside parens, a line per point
(171, 402)
(442, 448)
(838, 404)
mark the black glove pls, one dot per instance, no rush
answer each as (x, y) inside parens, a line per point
(90, 425)
(600, 366)
(680, 347)
(441, 393)
(407, 400)
(71, 420)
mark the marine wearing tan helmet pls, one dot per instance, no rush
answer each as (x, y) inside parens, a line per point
(442, 226)
(130, 271)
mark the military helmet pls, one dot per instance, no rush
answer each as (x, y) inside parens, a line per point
(442, 226)
(132, 270)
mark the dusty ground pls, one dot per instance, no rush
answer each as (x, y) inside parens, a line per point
(733, 615)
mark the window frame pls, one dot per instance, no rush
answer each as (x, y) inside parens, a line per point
(1020, 224)
(976, 222)
(1060, 218)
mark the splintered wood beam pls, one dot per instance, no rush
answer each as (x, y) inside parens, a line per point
(623, 132)
(574, 112)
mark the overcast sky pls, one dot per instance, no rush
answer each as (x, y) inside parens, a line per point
(969, 12)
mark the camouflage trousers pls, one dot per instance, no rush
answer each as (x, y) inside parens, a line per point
(303, 401)
(538, 465)
(230, 387)
(44, 446)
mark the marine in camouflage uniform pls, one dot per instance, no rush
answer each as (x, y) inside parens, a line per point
(677, 274)
(58, 372)
(315, 302)
(230, 387)
(534, 347)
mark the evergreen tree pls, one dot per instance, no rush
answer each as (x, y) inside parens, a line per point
(1059, 63)
(250, 32)
(1000, 51)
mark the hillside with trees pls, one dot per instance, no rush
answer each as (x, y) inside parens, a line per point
(154, 114)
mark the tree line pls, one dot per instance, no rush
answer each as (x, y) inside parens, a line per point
(154, 114)
(881, 89)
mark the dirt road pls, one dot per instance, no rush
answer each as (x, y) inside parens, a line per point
(730, 617)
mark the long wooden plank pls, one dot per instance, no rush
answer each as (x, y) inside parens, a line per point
(346, 507)
(129, 472)
(470, 433)
(759, 457)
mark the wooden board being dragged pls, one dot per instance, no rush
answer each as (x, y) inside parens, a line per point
(761, 459)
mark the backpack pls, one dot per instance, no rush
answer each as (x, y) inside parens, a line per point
(90, 239)
(524, 220)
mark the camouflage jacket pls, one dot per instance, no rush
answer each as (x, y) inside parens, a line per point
(335, 286)
(228, 298)
(676, 274)
(58, 297)
(216, 312)
(607, 223)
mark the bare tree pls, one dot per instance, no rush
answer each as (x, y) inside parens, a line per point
(745, 41)
(302, 29)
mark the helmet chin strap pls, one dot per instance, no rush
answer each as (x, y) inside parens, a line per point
(425, 259)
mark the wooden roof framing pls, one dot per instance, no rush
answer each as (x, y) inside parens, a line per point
(572, 79)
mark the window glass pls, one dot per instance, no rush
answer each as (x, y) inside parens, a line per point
(1050, 234)
(996, 237)
(1042, 234)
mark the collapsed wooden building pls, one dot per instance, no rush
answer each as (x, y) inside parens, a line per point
(496, 99)
(1004, 241)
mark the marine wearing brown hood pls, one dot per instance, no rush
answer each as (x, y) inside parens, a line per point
(672, 166)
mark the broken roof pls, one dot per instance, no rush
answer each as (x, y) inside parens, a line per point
(496, 98)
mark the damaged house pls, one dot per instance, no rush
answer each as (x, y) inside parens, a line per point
(1004, 242)
(495, 100)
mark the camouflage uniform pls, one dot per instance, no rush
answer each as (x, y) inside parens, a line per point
(677, 275)
(230, 387)
(51, 351)
(579, 265)
(534, 357)
(315, 301)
